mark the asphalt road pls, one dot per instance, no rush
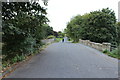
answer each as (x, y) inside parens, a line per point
(68, 60)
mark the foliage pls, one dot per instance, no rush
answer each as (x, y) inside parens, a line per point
(118, 32)
(113, 53)
(50, 37)
(55, 34)
(118, 37)
(58, 39)
(60, 34)
(47, 31)
(24, 24)
(74, 28)
(96, 26)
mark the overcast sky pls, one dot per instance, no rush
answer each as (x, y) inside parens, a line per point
(61, 11)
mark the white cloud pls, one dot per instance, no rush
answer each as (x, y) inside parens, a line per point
(61, 11)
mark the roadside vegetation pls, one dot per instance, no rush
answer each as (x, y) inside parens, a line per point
(97, 26)
(24, 25)
(113, 53)
(60, 36)
(58, 39)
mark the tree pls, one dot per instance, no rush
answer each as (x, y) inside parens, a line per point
(74, 27)
(60, 34)
(118, 32)
(23, 26)
(96, 26)
(55, 34)
(103, 23)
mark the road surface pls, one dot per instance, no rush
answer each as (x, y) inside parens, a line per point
(68, 60)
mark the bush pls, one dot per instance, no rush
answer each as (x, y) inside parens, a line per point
(113, 53)
(58, 39)
(50, 37)
(23, 28)
(105, 51)
(17, 58)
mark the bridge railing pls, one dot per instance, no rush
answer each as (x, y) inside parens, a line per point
(99, 46)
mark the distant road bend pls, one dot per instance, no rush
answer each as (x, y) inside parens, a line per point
(68, 60)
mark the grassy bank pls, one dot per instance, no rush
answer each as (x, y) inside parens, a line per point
(58, 39)
(114, 53)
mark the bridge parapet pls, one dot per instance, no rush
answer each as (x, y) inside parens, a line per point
(99, 46)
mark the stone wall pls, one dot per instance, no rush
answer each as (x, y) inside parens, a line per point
(98, 46)
(47, 41)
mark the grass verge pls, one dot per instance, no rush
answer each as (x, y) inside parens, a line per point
(115, 53)
(58, 39)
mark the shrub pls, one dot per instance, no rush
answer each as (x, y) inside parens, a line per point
(23, 29)
(113, 53)
(50, 37)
